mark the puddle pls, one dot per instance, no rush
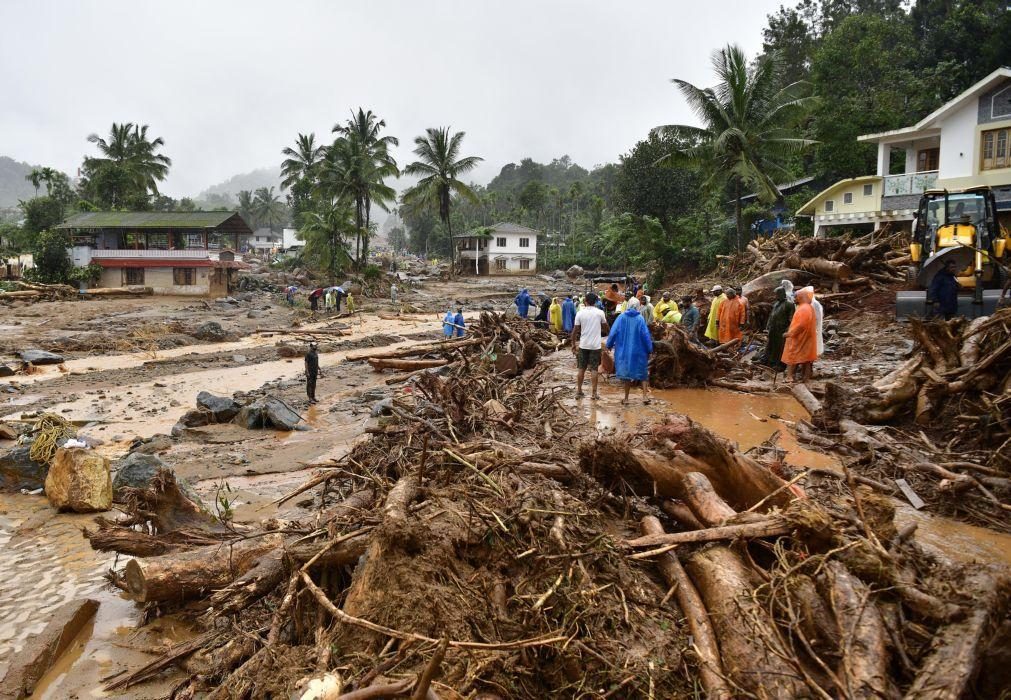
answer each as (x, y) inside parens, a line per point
(959, 541)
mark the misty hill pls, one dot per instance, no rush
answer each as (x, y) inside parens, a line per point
(263, 177)
(13, 185)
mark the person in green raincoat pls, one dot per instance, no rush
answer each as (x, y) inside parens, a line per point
(712, 332)
(779, 324)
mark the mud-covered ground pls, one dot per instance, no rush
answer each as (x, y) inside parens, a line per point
(143, 368)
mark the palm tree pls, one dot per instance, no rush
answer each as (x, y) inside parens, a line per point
(363, 161)
(35, 177)
(247, 208)
(323, 231)
(302, 160)
(747, 126)
(440, 165)
(268, 207)
(129, 149)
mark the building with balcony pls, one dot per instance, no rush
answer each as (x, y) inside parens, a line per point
(964, 143)
(502, 249)
(188, 253)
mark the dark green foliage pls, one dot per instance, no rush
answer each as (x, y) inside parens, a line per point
(49, 251)
(397, 238)
(41, 213)
(89, 274)
(127, 172)
(646, 188)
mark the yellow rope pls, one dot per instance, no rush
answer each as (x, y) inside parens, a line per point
(49, 430)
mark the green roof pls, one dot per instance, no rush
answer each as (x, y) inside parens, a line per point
(226, 220)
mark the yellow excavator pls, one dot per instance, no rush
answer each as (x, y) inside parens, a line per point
(959, 226)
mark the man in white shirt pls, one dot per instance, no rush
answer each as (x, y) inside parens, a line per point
(588, 328)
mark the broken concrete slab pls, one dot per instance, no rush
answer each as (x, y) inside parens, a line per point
(40, 357)
(40, 652)
(80, 481)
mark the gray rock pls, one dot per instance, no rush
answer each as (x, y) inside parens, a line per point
(244, 296)
(137, 470)
(238, 358)
(222, 409)
(18, 471)
(210, 331)
(382, 408)
(6, 371)
(558, 274)
(195, 418)
(255, 313)
(574, 272)
(268, 412)
(40, 357)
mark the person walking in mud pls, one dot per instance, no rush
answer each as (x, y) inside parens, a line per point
(311, 372)
(588, 328)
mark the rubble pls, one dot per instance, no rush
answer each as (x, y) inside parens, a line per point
(212, 332)
(79, 480)
(268, 412)
(222, 409)
(40, 357)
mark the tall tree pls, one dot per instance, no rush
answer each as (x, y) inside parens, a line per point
(268, 207)
(324, 230)
(247, 208)
(129, 169)
(439, 166)
(302, 160)
(35, 177)
(748, 126)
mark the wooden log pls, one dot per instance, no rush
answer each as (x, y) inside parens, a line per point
(753, 657)
(179, 576)
(862, 635)
(710, 666)
(21, 294)
(118, 292)
(38, 654)
(683, 514)
(806, 399)
(379, 364)
(422, 348)
(762, 528)
(703, 500)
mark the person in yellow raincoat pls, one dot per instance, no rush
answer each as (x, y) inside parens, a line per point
(555, 315)
(662, 307)
(712, 332)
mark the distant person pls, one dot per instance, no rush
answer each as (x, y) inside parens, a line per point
(712, 330)
(730, 318)
(448, 321)
(312, 371)
(330, 300)
(673, 315)
(393, 291)
(568, 314)
(801, 347)
(646, 308)
(541, 320)
(788, 286)
(523, 302)
(690, 317)
(612, 297)
(555, 315)
(314, 297)
(942, 294)
(587, 330)
(289, 295)
(779, 323)
(461, 326)
(632, 346)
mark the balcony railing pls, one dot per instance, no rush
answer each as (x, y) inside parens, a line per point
(909, 183)
(194, 254)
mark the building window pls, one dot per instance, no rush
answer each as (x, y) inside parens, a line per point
(524, 243)
(847, 198)
(524, 264)
(995, 149)
(927, 159)
(133, 276)
(829, 205)
(184, 276)
(500, 264)
(500, 242)
(868, 190)
(185, 241)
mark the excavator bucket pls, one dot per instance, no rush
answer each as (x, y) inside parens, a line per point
(914, 304)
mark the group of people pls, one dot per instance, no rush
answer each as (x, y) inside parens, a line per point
(331, 298)
(795, 331)
(453, 323)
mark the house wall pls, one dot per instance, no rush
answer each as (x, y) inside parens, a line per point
(160, 279)
(861, 202)
(512, 246)
(995, 105)
(958, 149)
(913, 152)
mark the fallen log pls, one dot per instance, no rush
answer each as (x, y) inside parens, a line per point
(702, 499)
(865, 658)
(710, 666)
(763, 528)
(421, 349)
(118, 292)
(806, 399)
(379, 364)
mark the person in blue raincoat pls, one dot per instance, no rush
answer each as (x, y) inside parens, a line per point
(447, 323)
(568, 314)
(523, 302)
(632, 345)
(459, 323)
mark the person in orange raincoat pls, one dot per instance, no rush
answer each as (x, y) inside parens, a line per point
(732, 314)
(801, 349)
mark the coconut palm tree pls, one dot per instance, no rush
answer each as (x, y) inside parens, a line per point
(302, 160)
(35, 177)
(130, 163)
(247, 208)
(268, 207)
(440, 165)
(748, 126)
(324, 231)
(365, 161)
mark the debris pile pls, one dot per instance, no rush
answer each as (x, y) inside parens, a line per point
(37, 291)
(476, 545)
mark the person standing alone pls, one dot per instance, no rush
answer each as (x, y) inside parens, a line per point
(587, 331)
(311, 372)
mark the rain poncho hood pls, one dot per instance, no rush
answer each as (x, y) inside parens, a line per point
(523, 302)
(632, 345)
(447, 321)
(555, 315)
(458, 320)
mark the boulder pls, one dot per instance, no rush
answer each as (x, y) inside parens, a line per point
(222, 409)
(557, 274)
(79, 481)
(268, 412)
(211, 331)
(6, 371)
(40, 357)
(255, 313)
(18, 471)
(195, 418)
(137, 470)
(574, 272)
(7, 432)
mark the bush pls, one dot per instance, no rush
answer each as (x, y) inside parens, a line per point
(52, 263)
(371, 273)
(90, 274)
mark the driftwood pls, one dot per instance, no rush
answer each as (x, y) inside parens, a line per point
(379, 364)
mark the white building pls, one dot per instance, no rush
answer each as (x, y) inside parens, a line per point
(502, 249)
(964, 143)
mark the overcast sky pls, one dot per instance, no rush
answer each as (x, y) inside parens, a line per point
(229, 84)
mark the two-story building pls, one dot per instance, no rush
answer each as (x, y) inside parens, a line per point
(964, 143)
(502, 249)
(188, 253)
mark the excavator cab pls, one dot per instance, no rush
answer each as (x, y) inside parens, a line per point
(959, 226)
